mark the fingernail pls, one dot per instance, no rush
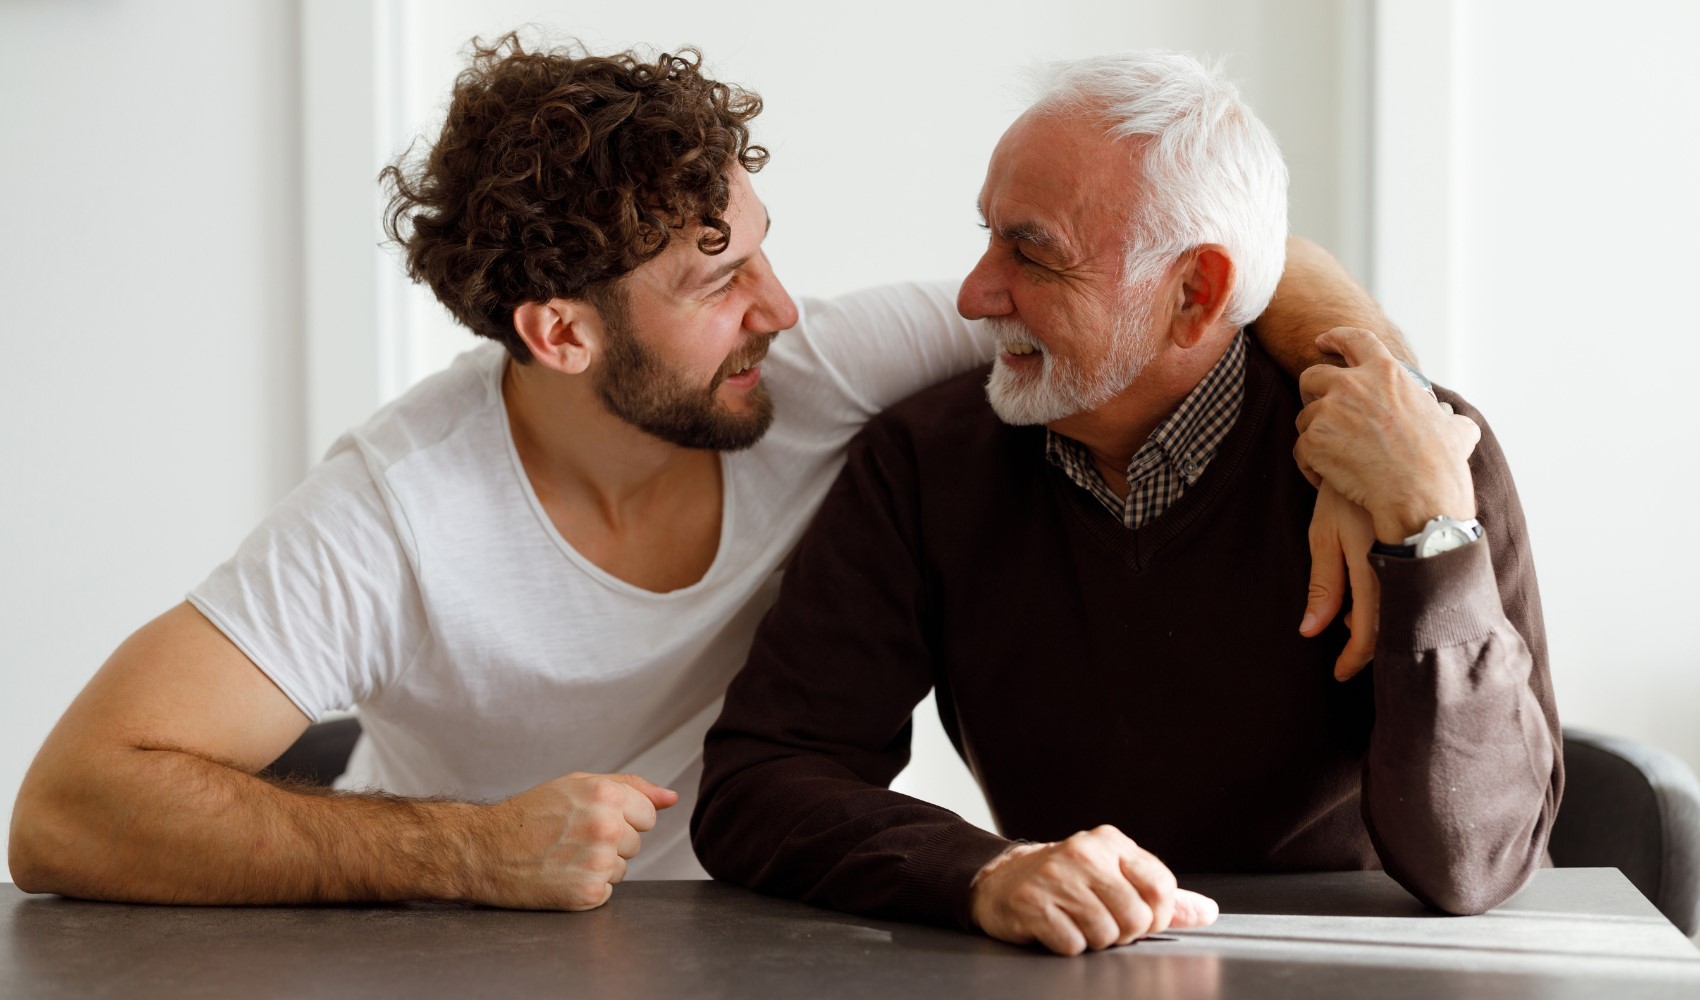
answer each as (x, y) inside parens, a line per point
(1308, 623)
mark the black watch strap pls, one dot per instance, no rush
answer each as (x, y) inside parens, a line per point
(1401, 551)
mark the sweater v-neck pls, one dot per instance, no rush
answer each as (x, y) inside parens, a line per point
(1139, 548)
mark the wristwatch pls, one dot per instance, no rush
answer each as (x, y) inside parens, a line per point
(1421, 379)
(1443, 534)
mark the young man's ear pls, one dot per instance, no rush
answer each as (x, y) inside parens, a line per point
(1207, 278)
(563, 334)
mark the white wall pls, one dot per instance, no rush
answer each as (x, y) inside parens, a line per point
(150, 364)
(1560, 226)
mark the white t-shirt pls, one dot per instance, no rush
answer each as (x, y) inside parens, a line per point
(414, 574)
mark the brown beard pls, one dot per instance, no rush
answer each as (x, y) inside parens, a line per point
(641, 389)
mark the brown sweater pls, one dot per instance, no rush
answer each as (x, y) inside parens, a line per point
(1152, 679)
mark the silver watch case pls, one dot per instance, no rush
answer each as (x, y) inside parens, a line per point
(1443, 534)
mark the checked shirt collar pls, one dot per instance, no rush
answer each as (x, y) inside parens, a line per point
(1175, 454)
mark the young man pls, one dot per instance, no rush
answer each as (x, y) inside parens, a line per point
(536, 572)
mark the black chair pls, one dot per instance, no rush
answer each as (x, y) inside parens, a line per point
(321, 754)
(1635, 808)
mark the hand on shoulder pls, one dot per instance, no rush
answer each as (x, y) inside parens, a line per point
(1373, 433)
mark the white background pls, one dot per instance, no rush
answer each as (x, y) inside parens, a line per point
(190, 302)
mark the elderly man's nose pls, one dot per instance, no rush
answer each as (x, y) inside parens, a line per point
(982, 294)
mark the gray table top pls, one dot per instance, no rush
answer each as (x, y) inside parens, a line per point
(1576, 932)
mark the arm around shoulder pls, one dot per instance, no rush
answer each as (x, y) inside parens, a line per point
(1317, 294)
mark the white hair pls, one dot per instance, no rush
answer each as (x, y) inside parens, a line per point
(1210, 171)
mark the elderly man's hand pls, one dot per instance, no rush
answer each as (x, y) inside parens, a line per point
(1093, 890)
(1340, 538)
(1373, 434)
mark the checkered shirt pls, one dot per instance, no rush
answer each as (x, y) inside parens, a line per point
(1175, 454)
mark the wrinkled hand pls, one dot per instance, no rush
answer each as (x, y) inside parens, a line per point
(1093, 890)
(1373, 434)
(1340, 538)
(564, 844)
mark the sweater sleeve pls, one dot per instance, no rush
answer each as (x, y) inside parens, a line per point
(794, 794)
(1465, 765)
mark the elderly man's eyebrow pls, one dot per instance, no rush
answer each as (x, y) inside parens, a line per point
(1025, 232)
(1032, 232)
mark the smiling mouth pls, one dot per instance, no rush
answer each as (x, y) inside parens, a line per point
(1011, 347)
(742, 372)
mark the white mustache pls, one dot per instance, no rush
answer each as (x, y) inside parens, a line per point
(1005, 330)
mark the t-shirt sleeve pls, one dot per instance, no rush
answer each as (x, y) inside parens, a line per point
(882, 345)
(322, 596)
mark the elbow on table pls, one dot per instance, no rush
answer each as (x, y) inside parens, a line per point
(31, 852)
(1464, 890)
(55, 844)
(709, 842)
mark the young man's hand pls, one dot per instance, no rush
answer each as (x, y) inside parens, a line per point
(1093, 890)
(564, 845)
(1341, 534)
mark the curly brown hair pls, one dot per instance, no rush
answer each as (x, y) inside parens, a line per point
(558, 172)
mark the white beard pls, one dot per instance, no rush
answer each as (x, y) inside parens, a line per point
(1062, 388)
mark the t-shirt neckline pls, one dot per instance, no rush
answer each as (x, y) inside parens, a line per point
(573, 555)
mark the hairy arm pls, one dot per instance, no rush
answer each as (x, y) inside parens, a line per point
(146, 791)
(1317, 293)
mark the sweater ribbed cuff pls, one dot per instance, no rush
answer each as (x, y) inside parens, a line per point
(935, 881)
(1444, 600)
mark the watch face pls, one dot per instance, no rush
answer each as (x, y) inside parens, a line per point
(1445, 539)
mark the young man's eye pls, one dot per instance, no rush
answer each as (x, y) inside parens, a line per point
(726, 289)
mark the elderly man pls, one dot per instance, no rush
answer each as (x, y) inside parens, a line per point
(1097, 572)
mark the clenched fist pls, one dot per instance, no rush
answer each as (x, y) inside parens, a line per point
(564, 844)
(1093, 890)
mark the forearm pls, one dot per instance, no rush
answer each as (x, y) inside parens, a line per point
(810, 827)
(1317, 293)
(1461, 783)
(164, 826)
(795, 772)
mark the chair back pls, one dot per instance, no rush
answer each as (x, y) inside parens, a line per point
(320, 755)
(1635, 808)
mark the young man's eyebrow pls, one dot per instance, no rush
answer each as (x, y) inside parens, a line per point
(714, 277)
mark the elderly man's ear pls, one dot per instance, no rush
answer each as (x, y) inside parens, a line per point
(1206, 277)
